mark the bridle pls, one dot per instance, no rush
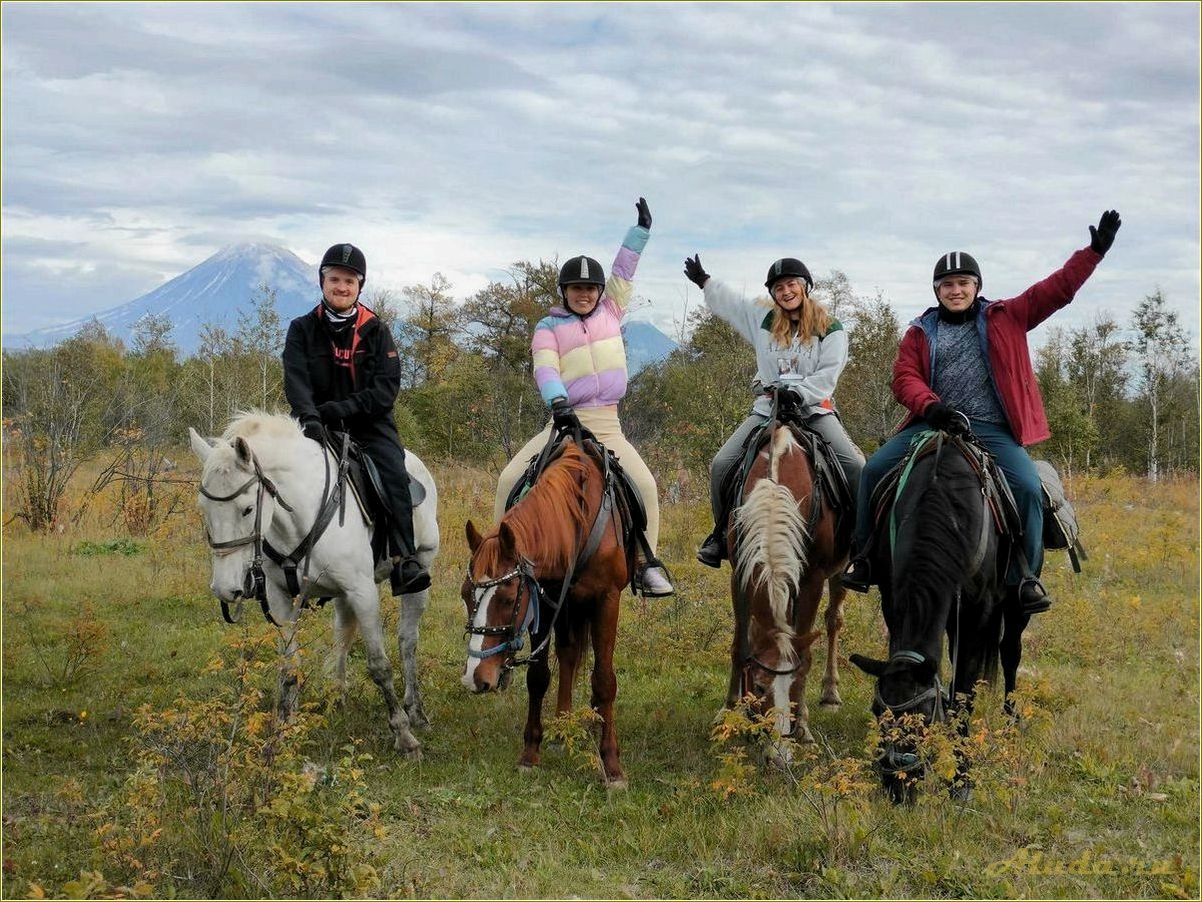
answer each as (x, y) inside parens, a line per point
(255, 583)
(512, 632)
(607, 512)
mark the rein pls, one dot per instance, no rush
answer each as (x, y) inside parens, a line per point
(255, 583)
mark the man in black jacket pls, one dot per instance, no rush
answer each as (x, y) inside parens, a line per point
(341, 369)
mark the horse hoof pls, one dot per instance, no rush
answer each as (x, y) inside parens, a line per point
(618, 784)
(831, 704)
(524, 768)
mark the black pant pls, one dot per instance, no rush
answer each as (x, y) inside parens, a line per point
(384, 448)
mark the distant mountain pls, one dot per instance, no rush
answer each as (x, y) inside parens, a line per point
(216, 291)
(213, 292)
(645, 345)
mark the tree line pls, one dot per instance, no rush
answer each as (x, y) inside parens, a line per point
(1119, 395)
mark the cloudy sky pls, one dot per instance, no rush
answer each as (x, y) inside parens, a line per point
(138, 139)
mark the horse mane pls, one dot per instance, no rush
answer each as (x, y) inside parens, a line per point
(551, 520)
(270, 435)
(773, 546)
(939, 543)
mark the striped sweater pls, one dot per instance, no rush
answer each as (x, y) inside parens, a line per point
(583, 359)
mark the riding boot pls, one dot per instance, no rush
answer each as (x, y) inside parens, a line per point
(408, 576)
(713, 550)
(1033, 596)
(858, 575)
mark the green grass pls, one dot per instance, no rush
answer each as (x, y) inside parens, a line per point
(1106, 778)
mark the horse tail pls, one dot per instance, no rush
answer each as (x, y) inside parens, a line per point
(772, 543)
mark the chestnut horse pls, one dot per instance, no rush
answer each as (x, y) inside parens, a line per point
(784, 546)
(528, 575)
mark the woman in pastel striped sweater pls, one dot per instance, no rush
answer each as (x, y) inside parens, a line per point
(580, 367)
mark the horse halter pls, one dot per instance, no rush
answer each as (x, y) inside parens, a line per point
(255, 583)
(935, 691)
(512, 633)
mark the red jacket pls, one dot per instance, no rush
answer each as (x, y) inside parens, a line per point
(1002, 327)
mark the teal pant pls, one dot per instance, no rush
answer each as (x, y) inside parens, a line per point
(1013, 461)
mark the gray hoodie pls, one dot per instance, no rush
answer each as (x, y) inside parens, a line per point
(811, 370)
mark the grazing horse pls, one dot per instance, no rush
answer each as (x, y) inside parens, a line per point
(942, 576)
(535, 573)
(264, 489)
(784, 546)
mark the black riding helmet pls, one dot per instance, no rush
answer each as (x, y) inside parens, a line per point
(956, 263)
(581, 271)
(788, 267)
(348, 257)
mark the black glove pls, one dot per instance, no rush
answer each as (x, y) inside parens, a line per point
(939, 416)
(1102, 237)
(334, 412)
(788, 401)
(562, 413)
(313, 429)
(693, 271)
(644, 213)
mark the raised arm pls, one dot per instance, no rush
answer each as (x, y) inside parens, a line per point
(619, 287)
(1044, 298)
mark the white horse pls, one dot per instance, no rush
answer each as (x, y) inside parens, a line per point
(262, 482)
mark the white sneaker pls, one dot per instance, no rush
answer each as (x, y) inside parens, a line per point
(654, 583)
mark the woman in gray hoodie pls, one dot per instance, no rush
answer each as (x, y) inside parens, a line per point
(799, 347)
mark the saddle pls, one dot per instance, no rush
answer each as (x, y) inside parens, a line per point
(999, 500)
(628, 503)
(367, 488)
(833, 480)
(358, 471)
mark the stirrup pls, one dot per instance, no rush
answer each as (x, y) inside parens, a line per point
(712, 551)
(858, 575)
(640, 581)
(408, 576)
(1032, 596)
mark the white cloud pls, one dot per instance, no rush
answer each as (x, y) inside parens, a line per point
(458, 138)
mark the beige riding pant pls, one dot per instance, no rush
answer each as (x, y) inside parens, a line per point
(603, 423)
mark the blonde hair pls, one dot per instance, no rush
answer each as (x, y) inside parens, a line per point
(813, 322)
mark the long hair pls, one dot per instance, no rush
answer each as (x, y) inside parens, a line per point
(813, 322)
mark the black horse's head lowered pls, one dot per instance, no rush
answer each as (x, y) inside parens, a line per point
(940, 561)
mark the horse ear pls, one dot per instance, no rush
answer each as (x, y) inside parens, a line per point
(509, 544)
(473, 536)
(200, 447)
(242, 449)
(870, 666)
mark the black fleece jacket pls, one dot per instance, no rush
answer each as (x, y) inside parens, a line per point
(351, 374)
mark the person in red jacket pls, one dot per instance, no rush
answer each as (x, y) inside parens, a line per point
(965, 364)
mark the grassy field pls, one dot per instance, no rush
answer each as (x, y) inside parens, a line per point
(118, 672)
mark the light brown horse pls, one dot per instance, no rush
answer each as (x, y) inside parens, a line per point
(784, 547)
(515, 579)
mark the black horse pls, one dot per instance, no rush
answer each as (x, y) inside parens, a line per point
(941, 560)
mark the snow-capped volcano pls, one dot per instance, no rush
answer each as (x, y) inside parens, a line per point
(214, 292)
